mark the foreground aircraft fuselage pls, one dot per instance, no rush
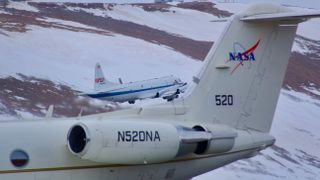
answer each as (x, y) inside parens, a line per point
(225, 116)
(46, 145)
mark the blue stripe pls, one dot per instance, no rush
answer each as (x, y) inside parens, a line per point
(109, 94)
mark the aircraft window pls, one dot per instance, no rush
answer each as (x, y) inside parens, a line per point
(19, 158)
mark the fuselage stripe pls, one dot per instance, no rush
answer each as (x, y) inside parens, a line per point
(108, 94)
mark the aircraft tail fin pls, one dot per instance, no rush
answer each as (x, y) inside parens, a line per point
(99, 79)
(243, 72)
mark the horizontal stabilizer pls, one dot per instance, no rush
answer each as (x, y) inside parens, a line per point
(300, 16)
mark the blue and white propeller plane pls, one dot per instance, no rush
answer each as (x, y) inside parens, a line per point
(167, 87)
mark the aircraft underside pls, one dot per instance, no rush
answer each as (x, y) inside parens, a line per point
(172, 170)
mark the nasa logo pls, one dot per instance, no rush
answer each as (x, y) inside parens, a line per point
(99, 80)
(241, 55)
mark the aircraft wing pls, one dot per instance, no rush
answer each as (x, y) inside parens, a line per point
(173, 90)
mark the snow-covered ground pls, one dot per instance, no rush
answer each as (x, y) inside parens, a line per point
(310, 29)
(176, 20)
(97, 1)
(307, 3)
(22, 6)
(296, 128)
(70, 57)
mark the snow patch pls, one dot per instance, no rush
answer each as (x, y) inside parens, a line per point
(68, 23)
(61, 55)
(25, 115)
(305, 46)
(7, 91)
(19, 98)
(4, 12)
(188, 23)
(41, 106)
(185, 22)
(22, 6)
(310, 29)
(96, 12)
(98, 1)
(312, 90)
(231, 7)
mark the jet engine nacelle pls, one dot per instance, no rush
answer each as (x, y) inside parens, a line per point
(127, 142)
(142, 142)
(222, 140)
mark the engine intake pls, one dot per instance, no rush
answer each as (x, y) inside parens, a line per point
(77, 139)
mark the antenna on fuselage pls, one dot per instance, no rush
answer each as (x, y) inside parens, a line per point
(120, 80)
(50, 111)
(80, 113)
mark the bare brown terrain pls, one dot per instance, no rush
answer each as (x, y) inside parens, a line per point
(207, 7)
(303, 70)
(35, 95)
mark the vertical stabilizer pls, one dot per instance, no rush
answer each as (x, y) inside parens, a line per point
(243, 72)
(100, 82)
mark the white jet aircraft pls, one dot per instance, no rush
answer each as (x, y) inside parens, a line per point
(167, 87)
(226, 116)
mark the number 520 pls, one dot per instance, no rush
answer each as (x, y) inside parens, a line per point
(224, 100)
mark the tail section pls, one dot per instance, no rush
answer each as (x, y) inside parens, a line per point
(243, 73)
(100, 82)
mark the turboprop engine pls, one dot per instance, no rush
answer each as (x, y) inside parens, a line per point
(138, 142)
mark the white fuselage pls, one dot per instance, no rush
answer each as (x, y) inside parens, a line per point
(138, 90)
(45, 142)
